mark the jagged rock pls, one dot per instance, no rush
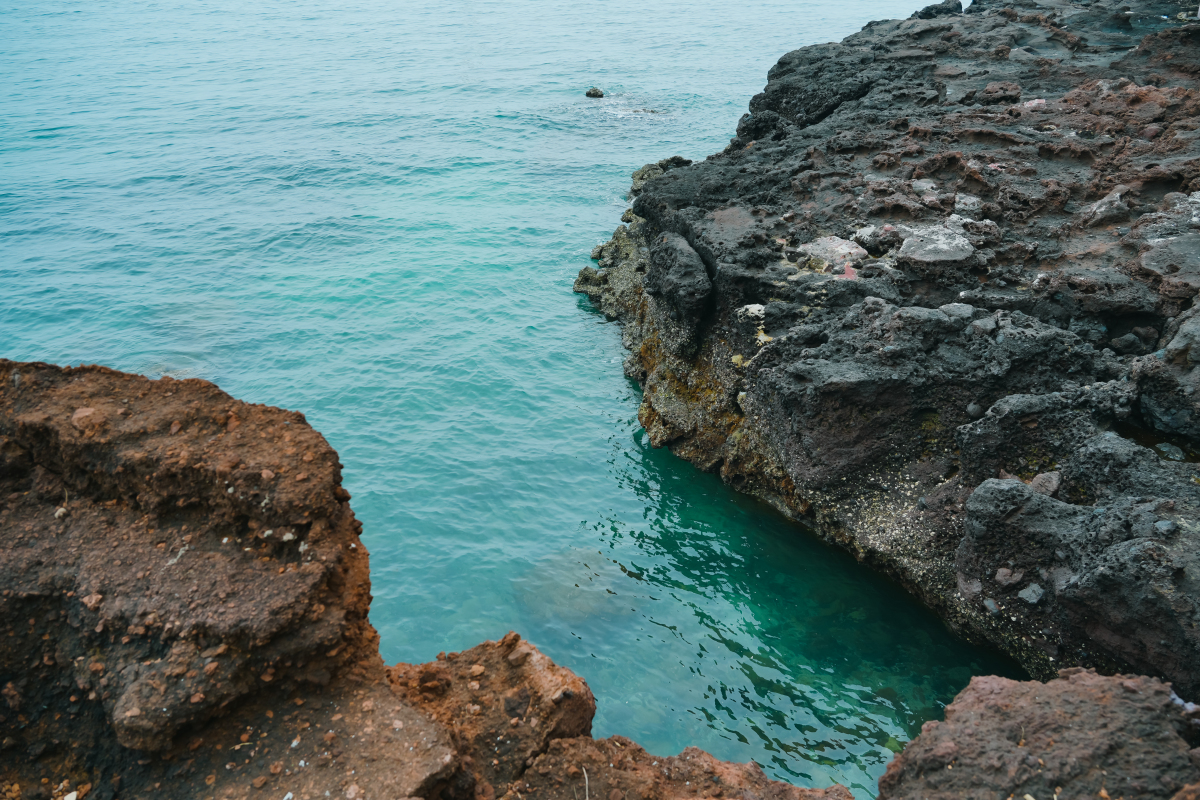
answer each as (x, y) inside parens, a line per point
(832, 252)
(1023, 309)
(1116, 581)
(170, 502)
(1081, 735)
(678, 277)
(1108, 209)
(184, 598)
(617, 768)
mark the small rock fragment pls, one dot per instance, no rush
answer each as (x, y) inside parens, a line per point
(1046, 483)
(1032, 594)
(1006, 577)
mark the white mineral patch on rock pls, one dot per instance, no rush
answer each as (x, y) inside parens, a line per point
(941, 245)
(834, 251)
(752, 311)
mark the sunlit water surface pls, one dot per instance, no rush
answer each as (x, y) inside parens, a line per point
(373, 213)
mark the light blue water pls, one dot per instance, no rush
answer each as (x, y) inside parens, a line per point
(373, 213)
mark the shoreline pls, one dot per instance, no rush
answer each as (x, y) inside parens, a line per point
(184, 590)
(842, 314)
(184, 596)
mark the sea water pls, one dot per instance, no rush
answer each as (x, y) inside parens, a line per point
(372, 212)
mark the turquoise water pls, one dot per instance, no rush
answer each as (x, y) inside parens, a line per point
(373, 213)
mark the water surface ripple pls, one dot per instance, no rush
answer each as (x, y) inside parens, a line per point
(372, 212)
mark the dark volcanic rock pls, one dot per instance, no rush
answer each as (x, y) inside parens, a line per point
(936, 300)
(1080, 736)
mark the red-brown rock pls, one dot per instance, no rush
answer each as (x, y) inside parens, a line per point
(1082, 735)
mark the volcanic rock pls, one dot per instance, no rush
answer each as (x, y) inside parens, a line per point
(1082, 735)
(984, 385)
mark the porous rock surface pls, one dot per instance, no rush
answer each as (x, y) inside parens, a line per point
(936, 300)
(183, 614)
(1083, 735)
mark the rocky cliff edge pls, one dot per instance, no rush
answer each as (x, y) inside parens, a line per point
(183, 612)
(936, 300)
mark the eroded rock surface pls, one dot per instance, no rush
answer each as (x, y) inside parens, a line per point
(167, 549)
(1080, 736)
(618, 769)
(183, 610)
(949, 318)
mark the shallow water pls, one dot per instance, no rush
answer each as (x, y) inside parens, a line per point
(373, 213)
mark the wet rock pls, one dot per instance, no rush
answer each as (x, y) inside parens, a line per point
(1169, 451)
(594, 92)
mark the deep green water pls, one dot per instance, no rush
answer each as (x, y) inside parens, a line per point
(373, 213)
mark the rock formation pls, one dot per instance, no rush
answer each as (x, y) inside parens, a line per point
(1080, 736)
(936, 300)
(183, 606)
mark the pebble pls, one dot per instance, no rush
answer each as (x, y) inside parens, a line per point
(1046, 483)
(974, 410)
(1032, 594)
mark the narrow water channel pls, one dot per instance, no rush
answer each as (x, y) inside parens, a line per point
(372, 212)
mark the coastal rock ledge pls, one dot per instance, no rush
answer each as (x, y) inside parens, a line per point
(937, 301)
(183, 606)
(183, 614)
